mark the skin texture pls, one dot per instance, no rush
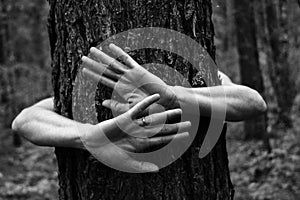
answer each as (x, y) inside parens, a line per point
(42, 126)
(239, 102)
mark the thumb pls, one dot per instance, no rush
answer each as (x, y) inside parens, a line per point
(116, 106)
(143, 167)
(118, 159)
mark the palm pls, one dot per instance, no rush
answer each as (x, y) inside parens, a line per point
(113, 154)
(111, 140)
(130, 93)
(127, 80)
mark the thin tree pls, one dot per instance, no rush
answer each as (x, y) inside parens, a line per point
(3, 31)
(250, 71)
(7, 91)
(37, 33)
(74, 27)
(277, 37)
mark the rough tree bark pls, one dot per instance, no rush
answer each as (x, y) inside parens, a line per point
(75, 26)
(277, 37)
(251, 75)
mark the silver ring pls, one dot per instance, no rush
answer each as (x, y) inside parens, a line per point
(144, 123)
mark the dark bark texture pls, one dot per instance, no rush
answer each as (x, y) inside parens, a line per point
(251, 75)
(74, 27)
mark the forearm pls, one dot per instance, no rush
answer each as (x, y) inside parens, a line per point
(238, 102)
(47, 128)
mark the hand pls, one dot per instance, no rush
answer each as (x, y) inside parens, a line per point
(109, 140)
(130, 80)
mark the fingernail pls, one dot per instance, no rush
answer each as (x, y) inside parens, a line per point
(153, 168)
(93, 49)
(82, 58)
(105, 103)
(189, 123)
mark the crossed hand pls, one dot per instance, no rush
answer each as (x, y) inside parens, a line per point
(128, 131)
(130, 80)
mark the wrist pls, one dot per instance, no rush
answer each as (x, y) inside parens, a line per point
(172, 100)
(84, 132)
(92, 136)
(96, 136)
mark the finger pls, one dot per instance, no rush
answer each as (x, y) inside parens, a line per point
(152, 109)
(139, 166)
(168, 129)
(99, 68)
(119, 159)
(155, 141)
(123, 56)
(162, 117)
(98, 78)
(141, 106)
(160, 130)
(116, 106)
(111, 62)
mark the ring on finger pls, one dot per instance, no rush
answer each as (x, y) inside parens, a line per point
(144, 123)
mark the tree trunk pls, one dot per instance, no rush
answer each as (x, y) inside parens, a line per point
(221, 19)
(251, 75)
(75, 26)
(37, 37)
(3, 32)
(278, 47)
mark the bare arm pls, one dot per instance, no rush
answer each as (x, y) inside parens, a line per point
(241, 102)
(244, 102)
(42, 126)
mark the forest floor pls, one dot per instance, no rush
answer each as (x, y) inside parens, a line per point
(259, 175)
(27, 172)
(30, 172)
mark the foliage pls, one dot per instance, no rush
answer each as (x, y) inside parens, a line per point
(28, 172)
(260, 175)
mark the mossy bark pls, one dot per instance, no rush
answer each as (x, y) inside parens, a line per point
(74, 27)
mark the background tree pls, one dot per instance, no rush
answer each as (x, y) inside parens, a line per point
(74, 27)
(7, 92)
(278, 46)
(225, 33)
(30, 172)
(250, 71)
(23, 53)
(3, 31)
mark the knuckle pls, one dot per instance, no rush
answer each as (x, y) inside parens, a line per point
(165, 129)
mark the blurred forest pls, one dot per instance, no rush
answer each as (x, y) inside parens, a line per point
(258, 45)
